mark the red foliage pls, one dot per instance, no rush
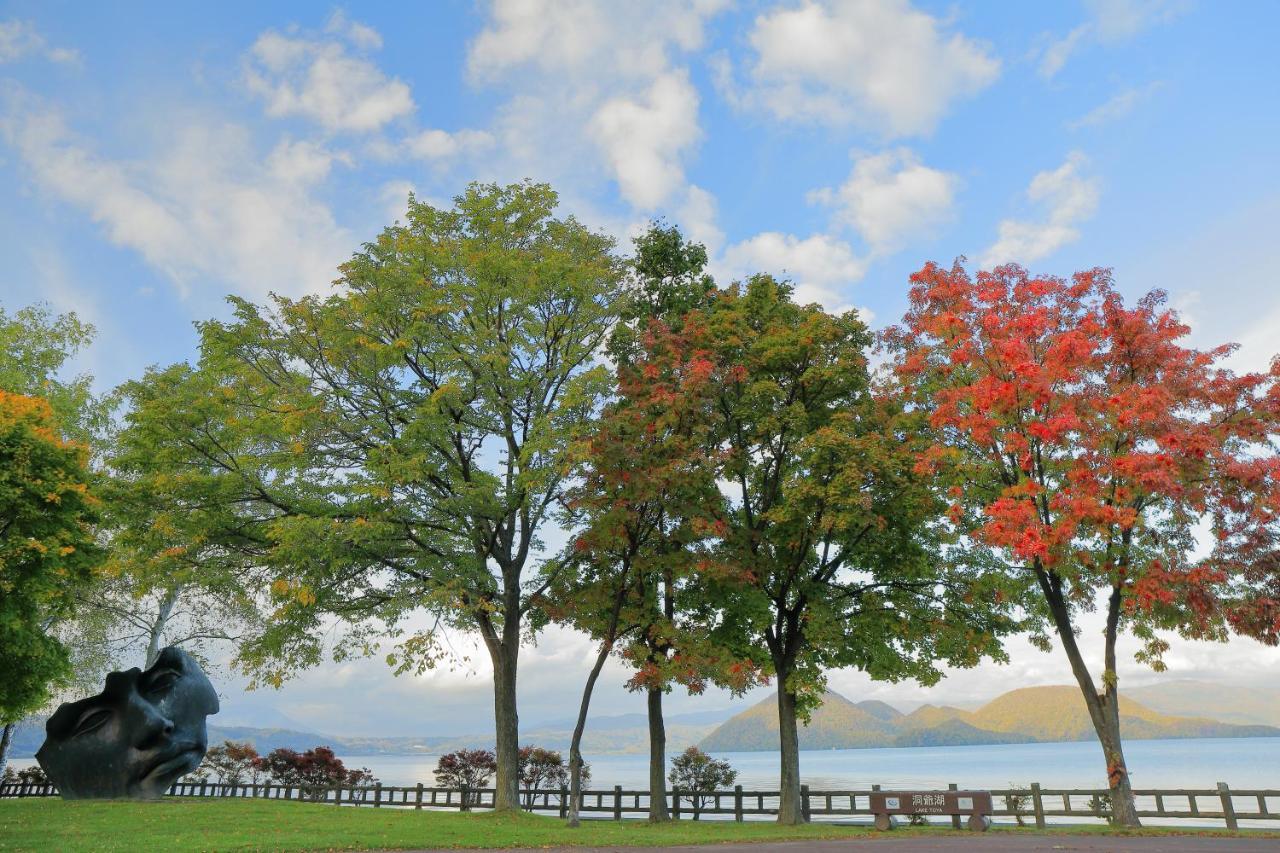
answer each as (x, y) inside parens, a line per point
(1084, 440)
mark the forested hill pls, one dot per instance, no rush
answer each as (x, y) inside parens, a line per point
(1031, 714)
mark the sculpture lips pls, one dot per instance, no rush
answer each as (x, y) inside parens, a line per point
(186, 757)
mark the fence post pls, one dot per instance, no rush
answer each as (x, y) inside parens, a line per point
(1228, 808)
(737, 803)
(1037, 805)
(617, 802)
(675, 803)
(564, 801)
(337, 796)
(377, 795)
(955, 818)
(203, 783)
(417, 802)
(804, 802)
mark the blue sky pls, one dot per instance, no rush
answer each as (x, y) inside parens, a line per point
(156, 157)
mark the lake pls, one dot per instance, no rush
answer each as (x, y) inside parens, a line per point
(1191, 763)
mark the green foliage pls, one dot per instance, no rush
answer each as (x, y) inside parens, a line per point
(836, 558)
(694, 774)
(47, 548)
(35, 347)
(398, 445)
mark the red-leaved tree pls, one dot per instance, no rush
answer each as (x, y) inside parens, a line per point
(1083, 444)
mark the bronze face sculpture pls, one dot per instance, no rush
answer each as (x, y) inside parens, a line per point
(136, 737)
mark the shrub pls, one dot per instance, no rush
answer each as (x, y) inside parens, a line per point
(233, 763)
(694, 773)
(315, 771)
(32, 775)
(466, 768)
(545, 769)
(1017, 803)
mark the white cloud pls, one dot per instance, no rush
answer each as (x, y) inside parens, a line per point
(361, 35)
(821, 266)
(20, 39)
(318, 79)
(595, 91)
(1116, 107)
(891, 197)
(697, 217)
(1110, 22)
(643, 138)
(1068, 198)
(880, 64)
(203, 208)
(442, 145)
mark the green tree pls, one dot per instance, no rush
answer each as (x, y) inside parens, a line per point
(36, 346)
(185, 562)
(645, 498)
(831, 540)
(402, 442)
(47, 550)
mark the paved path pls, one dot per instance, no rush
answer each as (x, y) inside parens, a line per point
(990, 842)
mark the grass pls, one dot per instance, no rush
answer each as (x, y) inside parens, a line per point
(180, 825)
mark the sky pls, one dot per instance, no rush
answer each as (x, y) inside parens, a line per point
(156, 157)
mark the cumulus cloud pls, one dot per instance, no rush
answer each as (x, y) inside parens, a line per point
(890, 197)
(642, 138)
(1068, 198)
(20, 40)
(821, 266)
(595, 91)
(206, 207)
(879, 64)
(318, 78)
(1109, 22)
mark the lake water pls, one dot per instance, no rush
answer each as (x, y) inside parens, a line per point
(1193, 763)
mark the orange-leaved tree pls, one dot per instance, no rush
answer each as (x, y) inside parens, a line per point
(1083, 444)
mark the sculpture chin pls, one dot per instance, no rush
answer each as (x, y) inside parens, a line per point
(165, 771)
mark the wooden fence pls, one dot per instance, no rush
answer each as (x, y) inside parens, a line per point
(1034, 805)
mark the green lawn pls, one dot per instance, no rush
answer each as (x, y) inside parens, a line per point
(178, 825)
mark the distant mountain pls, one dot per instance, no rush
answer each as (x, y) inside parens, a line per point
(1245, 705)
(603, 740)
(955, 733)
(837, 724)
(881, 710)
(1027, 715)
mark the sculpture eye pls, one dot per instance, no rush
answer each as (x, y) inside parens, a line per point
(91, 719)
(163, 680)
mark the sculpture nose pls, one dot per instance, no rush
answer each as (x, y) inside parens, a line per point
(154, 727)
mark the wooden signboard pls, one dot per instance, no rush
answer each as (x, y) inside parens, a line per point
(976, 805)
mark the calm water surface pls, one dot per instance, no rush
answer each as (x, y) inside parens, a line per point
(1197, 763)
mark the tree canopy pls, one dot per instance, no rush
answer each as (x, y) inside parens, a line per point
(47, 547)
(1083, 444)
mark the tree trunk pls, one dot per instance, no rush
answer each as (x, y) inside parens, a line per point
(1104, 709)
(575, 745)
(5, 740)
(159, 623)
(506, 795)
(658, 812)
(790, 811)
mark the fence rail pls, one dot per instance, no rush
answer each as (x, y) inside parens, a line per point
(1032, 805)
